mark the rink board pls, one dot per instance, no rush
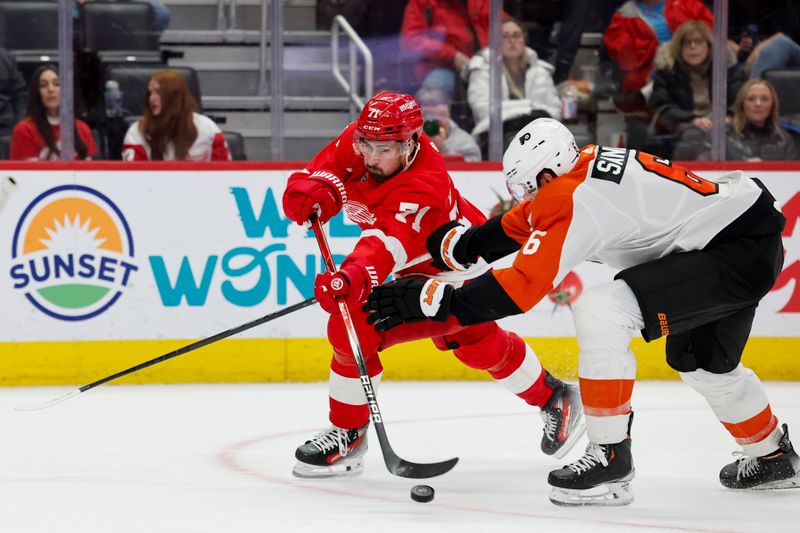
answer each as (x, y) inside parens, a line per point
(108, 265)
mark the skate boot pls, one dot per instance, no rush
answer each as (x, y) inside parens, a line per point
(601, 477)
(564, 423)
(335, 452)
(778, 470)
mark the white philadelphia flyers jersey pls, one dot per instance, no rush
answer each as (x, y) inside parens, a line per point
(619, 207)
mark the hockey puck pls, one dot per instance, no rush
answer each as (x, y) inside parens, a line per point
(422, 493)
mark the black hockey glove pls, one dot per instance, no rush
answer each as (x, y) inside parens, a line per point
(448, 249)
(408, 300)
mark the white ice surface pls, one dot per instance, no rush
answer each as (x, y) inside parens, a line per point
(217, 458)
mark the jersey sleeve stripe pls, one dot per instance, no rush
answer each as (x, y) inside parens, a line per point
(392, 245)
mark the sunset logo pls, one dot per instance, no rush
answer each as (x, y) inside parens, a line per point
(72, 253)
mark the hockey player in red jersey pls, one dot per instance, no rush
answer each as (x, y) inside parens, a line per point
(696, 257)
(390, 180)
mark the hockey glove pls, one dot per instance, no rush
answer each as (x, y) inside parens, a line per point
(351, 282)
(448, 248)
(322, 193)
(408, 300)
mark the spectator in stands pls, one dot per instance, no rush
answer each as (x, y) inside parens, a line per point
(13, 93)
(541, 16)
(777, 52)
(681, 95)
(36, 138)
(171, 129)
(448, 137)
(161, 15)
(444, 35)
(527, 88)
(527, 81)
(754, 133)
(631, 40)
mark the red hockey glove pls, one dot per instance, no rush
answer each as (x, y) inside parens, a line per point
(322, 193)
(352, 282)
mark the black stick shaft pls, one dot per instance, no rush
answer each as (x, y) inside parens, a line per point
(203, 342)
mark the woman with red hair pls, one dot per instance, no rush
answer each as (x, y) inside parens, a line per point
(171, 129)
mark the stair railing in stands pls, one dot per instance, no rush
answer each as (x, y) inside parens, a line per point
(356, 44)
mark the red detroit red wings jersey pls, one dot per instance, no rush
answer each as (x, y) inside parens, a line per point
(618, 207)
(399, 214)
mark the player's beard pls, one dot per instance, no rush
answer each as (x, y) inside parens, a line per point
(377, 174)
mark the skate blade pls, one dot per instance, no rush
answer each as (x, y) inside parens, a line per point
(614, 494)
(575, 434)
(791, 483)
(350, 468)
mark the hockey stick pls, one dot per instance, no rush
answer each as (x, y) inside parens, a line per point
(175, 353)
(395, 465)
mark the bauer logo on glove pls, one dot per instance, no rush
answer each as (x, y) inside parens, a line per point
(408, 300)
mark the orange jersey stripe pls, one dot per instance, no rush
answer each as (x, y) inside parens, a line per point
(754, 429)
(606, 397)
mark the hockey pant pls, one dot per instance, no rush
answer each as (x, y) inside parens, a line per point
(504, 355)
(606, 319)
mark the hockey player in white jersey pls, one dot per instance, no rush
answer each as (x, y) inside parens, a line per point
(696, 256)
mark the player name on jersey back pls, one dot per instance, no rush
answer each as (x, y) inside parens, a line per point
(609, 164)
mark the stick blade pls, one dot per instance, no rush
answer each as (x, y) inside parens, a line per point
(411, 470)
(49, 403)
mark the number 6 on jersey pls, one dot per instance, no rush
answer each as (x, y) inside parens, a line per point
(532, 245)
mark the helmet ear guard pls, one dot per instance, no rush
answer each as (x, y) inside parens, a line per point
(544, 144)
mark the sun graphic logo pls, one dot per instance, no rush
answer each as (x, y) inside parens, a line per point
(72, 253)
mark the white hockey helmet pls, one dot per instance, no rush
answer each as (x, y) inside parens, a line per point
(542, 144)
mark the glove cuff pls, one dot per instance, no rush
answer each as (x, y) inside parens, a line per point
(333, 181)
(449, 248)
(434, 299)
(358, 274)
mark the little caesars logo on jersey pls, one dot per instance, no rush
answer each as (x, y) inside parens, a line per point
(72, 253)
(610, 163)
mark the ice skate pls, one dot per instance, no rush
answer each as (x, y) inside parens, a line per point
(778, 470)
(601, 477)
(335, 452)
(564, 423)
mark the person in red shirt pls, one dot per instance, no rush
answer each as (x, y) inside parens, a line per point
(171, 129)
(636, 31)
(391, 180)
(632, 41)
(444, 35)
(36, 138)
